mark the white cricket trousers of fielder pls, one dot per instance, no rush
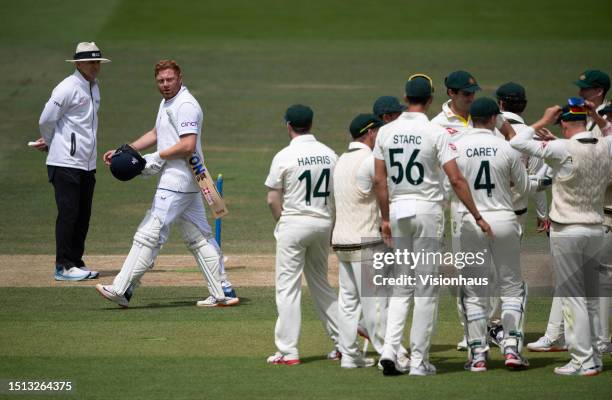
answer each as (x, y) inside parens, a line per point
(423, 232)
(169, 207)
(503, 254)
(576, 253)
(554, 329)
(302, 245)
(351, 304)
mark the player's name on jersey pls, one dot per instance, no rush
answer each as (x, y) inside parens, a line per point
(314, 160)
(407, 139)
(481, 152)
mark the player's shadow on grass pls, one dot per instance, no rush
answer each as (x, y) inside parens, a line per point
(306, 360)
(439, 348)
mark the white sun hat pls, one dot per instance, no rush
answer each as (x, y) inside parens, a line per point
(88, 51)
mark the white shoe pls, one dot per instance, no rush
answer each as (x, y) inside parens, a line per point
(513, 359)
(423, 369)
(462, 345)
(402, 362)
(212, 301)
(356, 362)
(544, 344)
(108, 292)
(604, 347)
(388, 362)
(478, 363)
(92, 274)
(72, 274)
(279, 359)
(334, 355)
(571, 369)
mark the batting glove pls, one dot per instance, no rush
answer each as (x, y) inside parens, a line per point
(154, 164)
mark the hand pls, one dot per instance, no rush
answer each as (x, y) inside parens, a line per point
(551, 114)
(154, 164)
(499, 121)
(543, 225)
(107, 157)
(40, 145)
(387, 237)
(545, 134)
(484, 226)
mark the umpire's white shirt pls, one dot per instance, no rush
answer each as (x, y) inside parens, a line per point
(414, 151)
(185, 109)
(69, 123)
(304, 170)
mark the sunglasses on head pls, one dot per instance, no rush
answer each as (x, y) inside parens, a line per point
(424, 77)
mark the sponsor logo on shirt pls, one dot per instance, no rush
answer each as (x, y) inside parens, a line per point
(188, 124)
(452, 146)
(451, 131)
(57, 104)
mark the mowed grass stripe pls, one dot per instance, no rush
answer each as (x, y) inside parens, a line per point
(166, 347)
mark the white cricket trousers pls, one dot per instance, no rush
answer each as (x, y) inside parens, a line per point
(576, 253)
(554, 329)
(169, 207)
(302, 245)
(503, 254)
(351, 306)
(422, 232)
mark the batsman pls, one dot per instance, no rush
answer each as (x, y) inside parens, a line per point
(177, 132)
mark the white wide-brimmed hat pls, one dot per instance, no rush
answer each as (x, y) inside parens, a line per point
(88, 51)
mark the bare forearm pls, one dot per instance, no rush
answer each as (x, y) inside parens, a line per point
(275, 203)
(145, 141)
(179, 150)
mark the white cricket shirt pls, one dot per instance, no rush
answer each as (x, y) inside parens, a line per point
(176, 174)
(490, 166)
(414, 151)
(303, 171)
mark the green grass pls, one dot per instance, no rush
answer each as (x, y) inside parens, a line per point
(246, 62)
(165, 347)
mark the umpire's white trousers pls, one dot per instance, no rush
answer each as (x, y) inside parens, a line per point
(422, 232)
(302, 245)
(352, 305)
(576, 252)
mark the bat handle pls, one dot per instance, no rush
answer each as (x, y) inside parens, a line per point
(218, 221)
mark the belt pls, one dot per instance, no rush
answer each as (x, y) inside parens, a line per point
(520, 212)
(354, 247)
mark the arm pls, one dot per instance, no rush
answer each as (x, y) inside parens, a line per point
(54, 109)
(382, 195)
(462, 190)
(524, 142)
(275, 202)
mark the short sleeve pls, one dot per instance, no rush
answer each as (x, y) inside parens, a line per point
(275, 176)
(188, 119)
(378, 148)
(447, 151)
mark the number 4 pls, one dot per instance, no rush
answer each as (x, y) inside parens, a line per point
(484, 167)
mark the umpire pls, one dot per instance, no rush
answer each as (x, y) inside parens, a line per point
(68, 127)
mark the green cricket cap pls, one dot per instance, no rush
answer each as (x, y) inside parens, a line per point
(362, 123)
(511, 91)
(461, 80)
(387, 105)
(593, 78)
(419, 85)
(484, 107)
(299, 116)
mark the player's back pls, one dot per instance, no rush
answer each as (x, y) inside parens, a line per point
(491, 167)
(306, 167)
(414, 150)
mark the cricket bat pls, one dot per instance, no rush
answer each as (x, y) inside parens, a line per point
(204, 179)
